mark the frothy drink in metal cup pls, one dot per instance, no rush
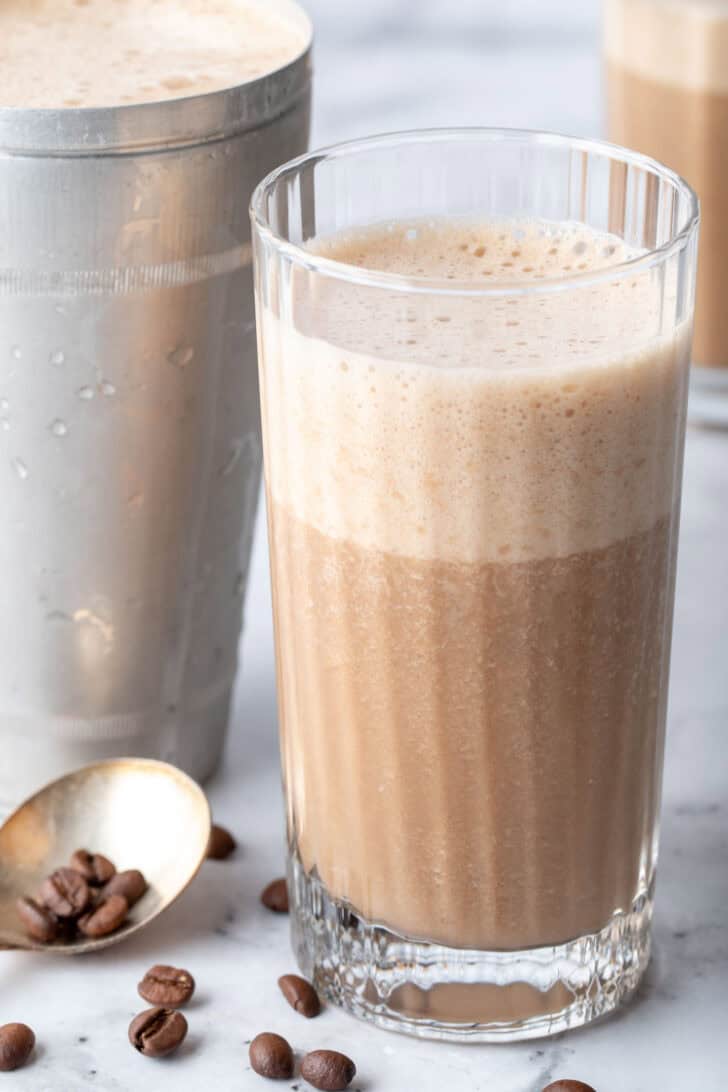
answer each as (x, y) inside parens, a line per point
(132, 135)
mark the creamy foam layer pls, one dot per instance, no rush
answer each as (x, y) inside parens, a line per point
(680, 42)
(84, 53)
(474, 429)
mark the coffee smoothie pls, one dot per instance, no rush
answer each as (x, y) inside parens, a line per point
(472, 525)
(130, 449)
(85, 53)
(667, 71)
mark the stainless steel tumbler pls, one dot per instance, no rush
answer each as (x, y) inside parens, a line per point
(129, 429)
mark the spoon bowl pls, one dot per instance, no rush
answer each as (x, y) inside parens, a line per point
(138, 812)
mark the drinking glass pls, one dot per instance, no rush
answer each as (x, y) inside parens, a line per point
(473, 493)
(666, 67)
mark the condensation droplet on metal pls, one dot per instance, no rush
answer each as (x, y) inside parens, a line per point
(20, 469)
(181, 356)
(236, 450)
(59, 428)
(58, 616)
(16, 352)
(58, 357)
(4, 424)
(86, 393)
(108, 389)
(4, 404)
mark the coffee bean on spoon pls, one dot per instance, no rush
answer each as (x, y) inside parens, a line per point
(39, 923)
(169, 986)
(271, 1056)
(275, 896)
(65, 893)
(568, 1086)
(94, 867)
(328, 1070)
(300, 995)
(221, 844)
(157, 1032)
(105, 918)
(16, 1046)
(131, 884)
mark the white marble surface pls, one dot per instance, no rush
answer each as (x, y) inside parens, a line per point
(384, 65)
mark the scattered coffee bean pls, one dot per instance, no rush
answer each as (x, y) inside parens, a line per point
(271, 1056)
(167, 986)
(275, 896)
(221, 844)
(65, 893)
(105, 918)
(568, 1086)
(95, 868)
(157, 1032)
(131, 884)
(300, 995)
(328, 1070)
(40, 924)
(16, 1046)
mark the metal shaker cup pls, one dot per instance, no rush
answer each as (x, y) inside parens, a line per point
(129, 425)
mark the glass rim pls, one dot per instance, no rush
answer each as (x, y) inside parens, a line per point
(375, 278)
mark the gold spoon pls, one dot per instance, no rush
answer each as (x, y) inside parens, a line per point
(140, 813)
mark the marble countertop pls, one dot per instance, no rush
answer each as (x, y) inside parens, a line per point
(389, 64)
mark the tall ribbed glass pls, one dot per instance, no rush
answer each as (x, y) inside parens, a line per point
(666, 74)
(474, 353)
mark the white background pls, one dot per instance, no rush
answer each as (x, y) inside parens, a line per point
(383, 65)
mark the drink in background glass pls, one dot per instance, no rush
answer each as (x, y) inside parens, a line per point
(667, 80)
(132, 135)
(474, 359)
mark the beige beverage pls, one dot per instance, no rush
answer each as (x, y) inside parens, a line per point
(667, 75)
(472, 614)
(89, 53)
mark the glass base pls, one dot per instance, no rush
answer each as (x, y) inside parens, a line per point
(459, 995)
(708, 403)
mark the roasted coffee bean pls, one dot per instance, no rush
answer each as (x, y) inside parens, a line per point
(300, 995)
(131, 884)
(221, 844)
(168, 986)
(568, 1086)
(16, 1046)
(39, 923)
(157, 1031)
(105, 918)
(95, 869)
(65, 893)
(275, 896)
(271, 1056)
(328, 1070)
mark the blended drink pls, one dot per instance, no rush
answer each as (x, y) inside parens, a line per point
(473, 389)
(667, 69)
(85, 53)
(132, 133)
(470, 615)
